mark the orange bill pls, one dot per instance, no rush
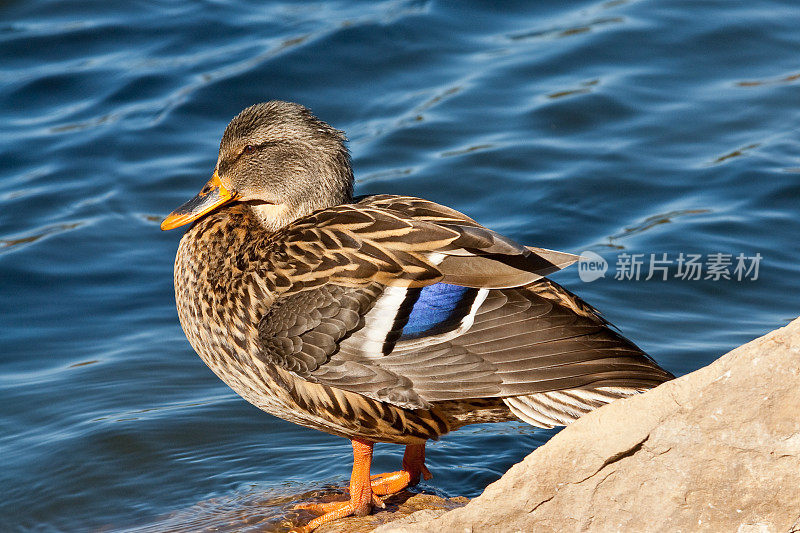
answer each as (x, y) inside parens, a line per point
(213, 195)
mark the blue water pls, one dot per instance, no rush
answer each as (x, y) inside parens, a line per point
(613, 127)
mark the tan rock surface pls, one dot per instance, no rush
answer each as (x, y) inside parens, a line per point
(715, 450)
(398, 507)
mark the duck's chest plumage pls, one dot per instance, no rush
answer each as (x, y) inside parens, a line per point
(221, 296)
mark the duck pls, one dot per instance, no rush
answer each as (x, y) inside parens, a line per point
(379, 318)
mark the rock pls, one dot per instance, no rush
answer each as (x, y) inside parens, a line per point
(715, 450)
(401, 509)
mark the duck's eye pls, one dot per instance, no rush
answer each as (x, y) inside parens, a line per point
(249, 149)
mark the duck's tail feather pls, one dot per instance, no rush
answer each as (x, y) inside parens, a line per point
(559, 408)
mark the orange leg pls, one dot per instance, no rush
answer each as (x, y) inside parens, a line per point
(361, 496)
(413, 468)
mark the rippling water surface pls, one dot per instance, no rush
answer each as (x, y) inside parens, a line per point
(615, 127)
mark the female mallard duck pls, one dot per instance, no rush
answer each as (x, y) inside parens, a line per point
(381, 318)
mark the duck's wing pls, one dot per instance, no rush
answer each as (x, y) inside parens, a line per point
(378, 314)
(426, 211)
(412, 243)
(412, 347)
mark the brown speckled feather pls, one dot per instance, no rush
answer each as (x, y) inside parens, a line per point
(271, 314)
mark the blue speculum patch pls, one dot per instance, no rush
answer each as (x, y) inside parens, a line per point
(438, 307)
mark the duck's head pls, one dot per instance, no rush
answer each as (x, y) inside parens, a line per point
(280, 160)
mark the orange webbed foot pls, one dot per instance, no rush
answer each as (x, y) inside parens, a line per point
(413, 468)
(393, 482)
(335, 507)
(336, 510)
(361, 496)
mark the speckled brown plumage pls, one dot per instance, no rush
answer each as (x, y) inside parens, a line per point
(229, 275)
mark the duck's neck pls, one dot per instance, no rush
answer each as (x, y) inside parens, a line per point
(274, 217)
